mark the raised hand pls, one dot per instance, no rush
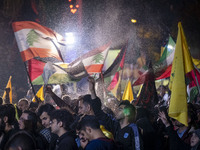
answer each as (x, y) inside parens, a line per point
(92, 87)
(91, 82)
(162, 116)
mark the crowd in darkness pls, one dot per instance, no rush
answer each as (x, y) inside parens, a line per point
(86, 123)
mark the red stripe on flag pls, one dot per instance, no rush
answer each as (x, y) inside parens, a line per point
(41, 52)
(17, 26)
(95, 68)
(166, 74)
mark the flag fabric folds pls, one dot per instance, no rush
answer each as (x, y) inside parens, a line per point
(128, 92)
(40, 95)
(115, 86)
(162, 65)
(59, 73)
(182, 65)
(93, 60)
(35, 40)
(9, 85)
(167, 72)
(52, 73)
(148, 97)
(112, 76)
(35, 69)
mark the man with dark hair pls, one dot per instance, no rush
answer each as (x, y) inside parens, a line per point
(23, 104)
(89, 129)
(60, 125)
(7, 119)
(43, 113)
(126, 110)
(123, 128)
(21, 140)
(28, 122)
(84, 105)
(127, 132)
(179, 138)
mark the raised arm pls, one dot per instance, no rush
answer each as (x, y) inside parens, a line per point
(91, 82)
(58, 100)
(7, 100)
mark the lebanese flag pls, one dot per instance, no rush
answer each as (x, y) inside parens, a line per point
(93, 60)
(35, 40)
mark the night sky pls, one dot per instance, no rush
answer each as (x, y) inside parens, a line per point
(102, 21)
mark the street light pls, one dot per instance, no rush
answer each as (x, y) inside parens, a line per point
(133, 20)
(70, 39)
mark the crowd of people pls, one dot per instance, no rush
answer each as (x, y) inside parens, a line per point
(86, 123)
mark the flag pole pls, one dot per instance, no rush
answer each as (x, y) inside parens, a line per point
(31, 83)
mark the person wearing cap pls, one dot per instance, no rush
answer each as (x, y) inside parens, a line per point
(195, 140)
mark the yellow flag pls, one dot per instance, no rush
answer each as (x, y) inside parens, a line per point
(196, 62)
(128, 92)
(9, 85)
(40, 95)
(181, 65)
(107, 133)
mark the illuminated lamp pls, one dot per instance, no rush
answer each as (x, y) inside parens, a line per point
(73, 11)
(70, 39)
(133, 20)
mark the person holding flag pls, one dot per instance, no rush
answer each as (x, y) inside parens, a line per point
(181, 113)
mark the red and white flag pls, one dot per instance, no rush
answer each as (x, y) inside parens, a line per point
(93, 61)
(35, 40)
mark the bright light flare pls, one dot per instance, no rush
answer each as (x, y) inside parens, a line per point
(133, 20)
(170, 47)
(71, 6)
(70, 39)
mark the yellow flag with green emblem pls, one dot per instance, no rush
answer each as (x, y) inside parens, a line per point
(182, 65)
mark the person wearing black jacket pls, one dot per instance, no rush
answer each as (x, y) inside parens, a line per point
(28, 122)
(125, 132)
(43, 113)
(60, 125)
(7, 120)
(89, 128)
